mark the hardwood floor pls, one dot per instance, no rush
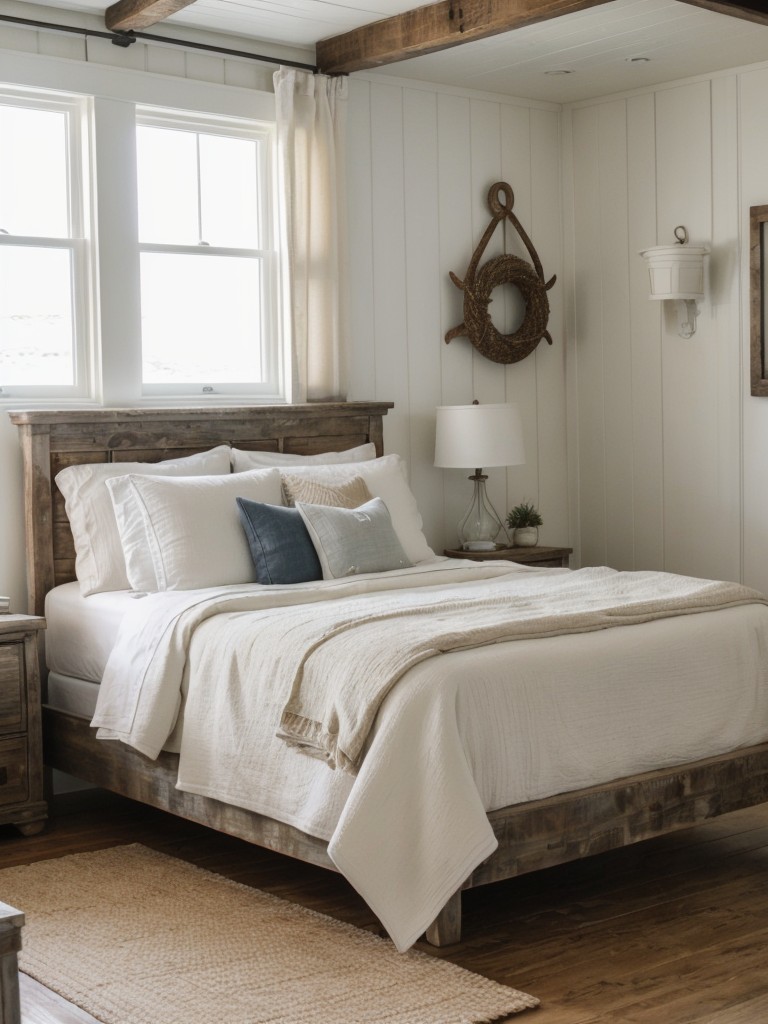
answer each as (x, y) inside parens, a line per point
(671, 931)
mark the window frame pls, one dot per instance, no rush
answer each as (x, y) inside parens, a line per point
(77, 242)
(109, 96)
(272, 386)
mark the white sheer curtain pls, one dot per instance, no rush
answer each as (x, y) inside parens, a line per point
(311, 125)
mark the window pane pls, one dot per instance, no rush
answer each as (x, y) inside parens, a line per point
(229, 192)
(167, 185)
(33, 172)
(36, 322)
(201, 319)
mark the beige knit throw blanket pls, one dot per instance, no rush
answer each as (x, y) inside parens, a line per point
(339, 661)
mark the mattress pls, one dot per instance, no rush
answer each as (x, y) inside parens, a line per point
(82, 630)
(73, 695)
(80, 636)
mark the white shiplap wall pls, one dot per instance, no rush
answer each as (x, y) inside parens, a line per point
(421, 161)
(752, 129)
(660, 417)
(649, 452)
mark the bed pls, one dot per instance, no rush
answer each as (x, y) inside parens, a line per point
(528, 834)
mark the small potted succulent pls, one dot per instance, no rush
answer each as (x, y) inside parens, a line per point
(524, 520)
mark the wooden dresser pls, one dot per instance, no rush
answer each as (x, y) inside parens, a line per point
(21, 746)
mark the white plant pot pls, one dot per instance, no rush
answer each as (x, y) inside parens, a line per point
(526, 536)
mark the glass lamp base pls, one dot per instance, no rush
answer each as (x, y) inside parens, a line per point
(481, 524)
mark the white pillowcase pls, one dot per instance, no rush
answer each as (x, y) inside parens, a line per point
(190, 528)
(99, 562)
(243, 460)
(386, 479)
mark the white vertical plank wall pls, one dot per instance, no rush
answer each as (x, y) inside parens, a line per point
(422, 254)
(689, 382)
(644, 450)
(548, 361)
(647, 451)
(753, 135)
(671, 446)
(614, 329)
(586, 345)
(434, 155)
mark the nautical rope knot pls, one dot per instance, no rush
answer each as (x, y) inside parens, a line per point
(479, 284)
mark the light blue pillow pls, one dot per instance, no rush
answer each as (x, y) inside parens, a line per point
(349, 541)
(281, 548)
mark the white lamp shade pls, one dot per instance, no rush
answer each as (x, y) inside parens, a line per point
(478, 436)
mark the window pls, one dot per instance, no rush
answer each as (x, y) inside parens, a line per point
(207, 259)
(137, 248)
(43, 249)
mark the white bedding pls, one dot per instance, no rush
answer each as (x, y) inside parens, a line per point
(71, 694)
(81, 631)
(454, 739)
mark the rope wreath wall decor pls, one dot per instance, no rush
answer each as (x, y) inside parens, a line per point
(478, 286)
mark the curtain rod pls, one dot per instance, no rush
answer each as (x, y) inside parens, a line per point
(125, 39)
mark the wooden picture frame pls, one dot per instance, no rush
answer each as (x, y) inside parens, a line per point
(758, 298)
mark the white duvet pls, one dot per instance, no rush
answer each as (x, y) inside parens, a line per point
(460, 734)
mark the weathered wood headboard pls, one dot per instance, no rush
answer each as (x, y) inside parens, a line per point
(52, 440)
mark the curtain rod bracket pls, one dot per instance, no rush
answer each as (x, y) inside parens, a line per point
(123, 39)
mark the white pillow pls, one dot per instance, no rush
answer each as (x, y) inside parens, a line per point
(190, 527)
(386, 479)
(242, 460)
(99, 562)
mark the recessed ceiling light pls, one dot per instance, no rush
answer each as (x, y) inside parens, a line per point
(638, 60)
(559, 71)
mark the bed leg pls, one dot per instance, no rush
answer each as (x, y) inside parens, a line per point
(446, 928)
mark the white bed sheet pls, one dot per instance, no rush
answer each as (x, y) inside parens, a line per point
(600, 706)
(81, 631)
(73, 695)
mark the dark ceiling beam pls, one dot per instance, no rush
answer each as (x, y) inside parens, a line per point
(130, 15)
(447, 23)
(749, 10)
(435, 27)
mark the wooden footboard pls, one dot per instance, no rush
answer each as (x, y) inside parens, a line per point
(70, 745)
(535, 835)
(570, 826)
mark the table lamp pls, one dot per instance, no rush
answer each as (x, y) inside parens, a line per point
(479, 435)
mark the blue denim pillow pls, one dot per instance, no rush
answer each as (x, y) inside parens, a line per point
(281, 548)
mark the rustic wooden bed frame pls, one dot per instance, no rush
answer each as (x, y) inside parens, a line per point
(531, 836)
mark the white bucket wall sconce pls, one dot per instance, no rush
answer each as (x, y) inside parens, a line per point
(676, 273)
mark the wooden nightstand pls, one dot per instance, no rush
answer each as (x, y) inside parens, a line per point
(21, 744)
(541, 556)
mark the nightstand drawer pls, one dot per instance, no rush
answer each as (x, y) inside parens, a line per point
(12, 702)
(14, 778)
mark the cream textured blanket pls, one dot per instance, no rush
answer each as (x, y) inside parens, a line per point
(339, 664)
(457, 736)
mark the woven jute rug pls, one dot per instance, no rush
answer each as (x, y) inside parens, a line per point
(136, 937)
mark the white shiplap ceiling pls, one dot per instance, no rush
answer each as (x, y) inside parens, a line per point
(617, 46)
